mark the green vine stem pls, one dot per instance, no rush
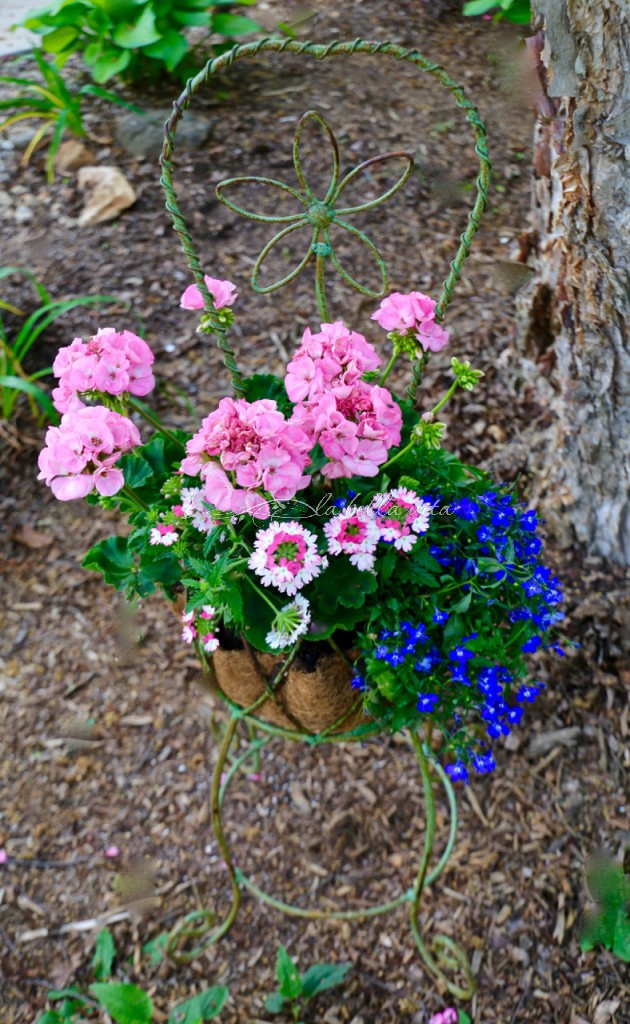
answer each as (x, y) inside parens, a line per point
(321, 52)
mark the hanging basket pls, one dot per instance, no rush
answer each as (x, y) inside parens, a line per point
(311, 699)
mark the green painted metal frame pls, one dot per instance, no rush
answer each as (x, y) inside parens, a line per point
(199, 930)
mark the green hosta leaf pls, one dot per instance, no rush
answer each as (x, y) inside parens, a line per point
(171, 48)
(61, 39)
(109, 64)
(289, 981)
(202, 1007)
(104, 953)
(275, 1003)
(142, 32)
(126, 1004)
(321, 977)
(233, 24)
(476, 7)
(190, 18)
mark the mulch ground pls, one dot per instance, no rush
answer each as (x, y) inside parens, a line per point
(106, 734)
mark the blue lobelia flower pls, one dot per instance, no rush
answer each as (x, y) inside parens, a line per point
(457, 772)
(427, 702)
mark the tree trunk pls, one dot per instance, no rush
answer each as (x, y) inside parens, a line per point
(574, 315)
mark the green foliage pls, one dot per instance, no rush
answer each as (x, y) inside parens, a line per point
(126, 1004)
(52, 102)
(517, 11)
(104, 953)
(122, 1002)
(133, 38)
(15, 346)
(205, 1006)
(609, 924)
(296, 990)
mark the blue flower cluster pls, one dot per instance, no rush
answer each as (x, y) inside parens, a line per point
(488, 553)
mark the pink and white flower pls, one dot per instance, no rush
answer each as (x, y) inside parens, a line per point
(223, 294)
(163, 533)
(193, 508)
(80, 455)
(109, 363)
(290, 623)
(353, 532)
(401, 515)
(189, 632)
(209, 642)
(285, 556)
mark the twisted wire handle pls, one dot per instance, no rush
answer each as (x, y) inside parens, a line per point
(320, 52)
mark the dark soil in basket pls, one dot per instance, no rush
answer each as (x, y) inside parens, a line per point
(106, 736)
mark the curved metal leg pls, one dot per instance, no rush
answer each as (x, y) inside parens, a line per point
(195, 926)
(443, 953)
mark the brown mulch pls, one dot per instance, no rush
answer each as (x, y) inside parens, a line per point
(106, 736)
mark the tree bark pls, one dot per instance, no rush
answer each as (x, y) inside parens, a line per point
(574, 315)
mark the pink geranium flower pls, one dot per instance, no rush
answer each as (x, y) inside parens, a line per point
(223, 294)
(254, 443)
(81, 453)
(285, 556)
(412, 316)
(109, 363)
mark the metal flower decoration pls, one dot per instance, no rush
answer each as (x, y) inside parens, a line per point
(318, 216)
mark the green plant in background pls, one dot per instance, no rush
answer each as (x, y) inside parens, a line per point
(131, 38)
(519, 12)
(608, 883)
(14, 379)
(122, 1002)
(296, 990)
(53, 102)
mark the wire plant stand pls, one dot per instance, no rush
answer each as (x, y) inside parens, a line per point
(314, 217)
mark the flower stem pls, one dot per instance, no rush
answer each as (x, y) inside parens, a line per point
(262, 594)
(399, 455)
(134, 498)
(444, 400)
(154, 421)
(388, 368)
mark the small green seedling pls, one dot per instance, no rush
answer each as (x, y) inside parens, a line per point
(296, 990)
(122, 1002)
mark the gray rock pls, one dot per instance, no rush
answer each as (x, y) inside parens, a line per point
(23, 214)
(142, 135)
